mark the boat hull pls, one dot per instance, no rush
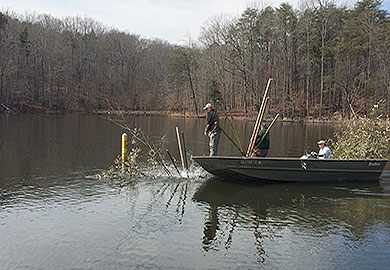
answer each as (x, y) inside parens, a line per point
(292, 169)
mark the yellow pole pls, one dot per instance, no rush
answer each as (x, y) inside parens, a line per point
(124, 149)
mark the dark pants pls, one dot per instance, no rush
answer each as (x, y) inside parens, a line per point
(260, 153)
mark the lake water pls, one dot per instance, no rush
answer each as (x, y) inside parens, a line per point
(55, 213)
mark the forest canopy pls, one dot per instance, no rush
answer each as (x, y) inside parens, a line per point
(327, 60)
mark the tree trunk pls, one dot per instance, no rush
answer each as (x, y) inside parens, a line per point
(245, 92)
(1, 85)
(192, 89)
(43, 82)
(322, 75)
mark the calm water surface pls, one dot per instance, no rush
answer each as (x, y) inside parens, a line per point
(56, 214)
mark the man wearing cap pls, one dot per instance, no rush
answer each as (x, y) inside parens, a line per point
(212, 130)
(324, 152)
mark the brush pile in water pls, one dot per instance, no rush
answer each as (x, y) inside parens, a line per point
(129, 169)
(362, 138)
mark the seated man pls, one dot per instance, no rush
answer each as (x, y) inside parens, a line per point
(261, 147)
(324, 152)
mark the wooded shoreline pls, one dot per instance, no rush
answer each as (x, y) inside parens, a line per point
(240, 116)
(328, 61)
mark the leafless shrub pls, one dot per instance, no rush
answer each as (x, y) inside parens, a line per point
(131, 168)
(362, 138)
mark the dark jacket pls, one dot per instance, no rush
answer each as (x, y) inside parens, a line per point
(265, 143)
(212, 122)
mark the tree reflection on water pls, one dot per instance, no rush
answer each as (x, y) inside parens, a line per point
(310, 209)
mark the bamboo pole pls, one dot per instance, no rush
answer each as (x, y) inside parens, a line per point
(258, 119)
(173, 162)
(257, 124)
(256, 129)
(183, 145)
(180, 148)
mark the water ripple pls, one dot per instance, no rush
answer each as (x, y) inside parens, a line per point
(186, 223)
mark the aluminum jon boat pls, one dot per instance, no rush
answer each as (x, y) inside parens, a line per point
(270, 169)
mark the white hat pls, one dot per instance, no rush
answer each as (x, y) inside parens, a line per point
(321, 142)
(208, 105)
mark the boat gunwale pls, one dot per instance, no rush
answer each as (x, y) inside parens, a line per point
(289, 159)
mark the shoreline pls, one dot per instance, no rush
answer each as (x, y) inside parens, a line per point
(251, 116)
(241, 116)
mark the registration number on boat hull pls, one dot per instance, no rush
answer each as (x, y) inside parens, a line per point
(250, 162)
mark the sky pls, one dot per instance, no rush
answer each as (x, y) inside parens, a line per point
(175, 21)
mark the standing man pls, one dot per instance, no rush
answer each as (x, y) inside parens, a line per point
(261, 147)
(212, 130)
(324, 152)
